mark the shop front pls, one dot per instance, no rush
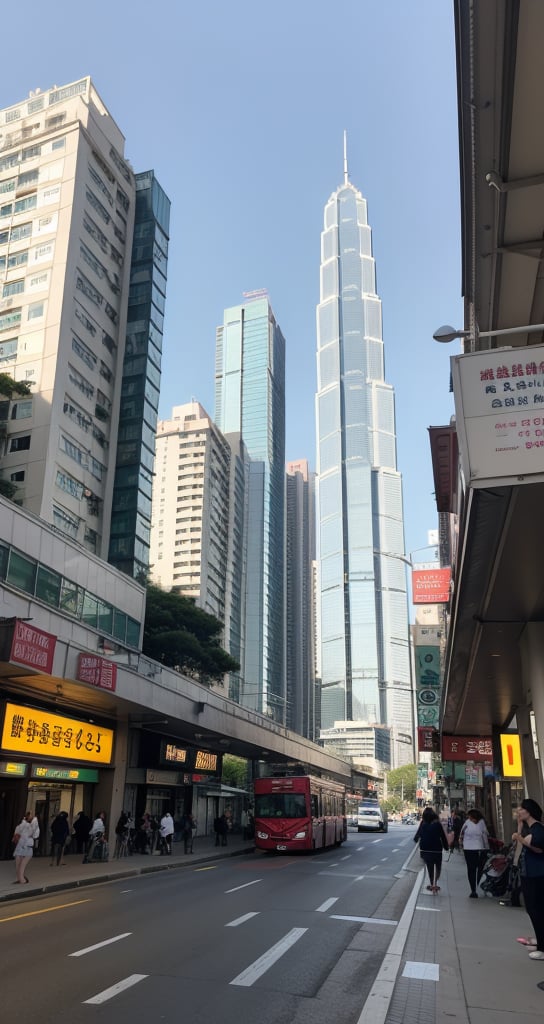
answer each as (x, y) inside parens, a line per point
(49, 763)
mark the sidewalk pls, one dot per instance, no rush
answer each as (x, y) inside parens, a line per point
(43, 878)
(461, 962)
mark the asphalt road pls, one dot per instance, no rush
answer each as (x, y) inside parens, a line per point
(257, 939)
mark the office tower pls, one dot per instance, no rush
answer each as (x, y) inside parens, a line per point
(250, 400)
(66, 224)
(189, 536)
(131, 510)
(235, 591)
(363, 615)
(299, 599)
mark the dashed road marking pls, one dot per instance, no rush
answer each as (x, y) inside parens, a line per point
(268, 959)
(327, 904)
(244, 886)
(114, 990)
(99, 945)
(242, 920)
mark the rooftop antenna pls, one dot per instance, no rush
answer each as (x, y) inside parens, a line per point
(346, 178)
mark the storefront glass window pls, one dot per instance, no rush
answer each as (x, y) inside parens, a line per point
(21, 572)
(48, 584)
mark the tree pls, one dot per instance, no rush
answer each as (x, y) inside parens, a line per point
(392, 804)
(182, 636)
(402, 783)
(9, 389)
(234, 771)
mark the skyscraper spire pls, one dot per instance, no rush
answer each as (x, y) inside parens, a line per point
(346, 177)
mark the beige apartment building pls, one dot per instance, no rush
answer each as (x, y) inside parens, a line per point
(67, 200)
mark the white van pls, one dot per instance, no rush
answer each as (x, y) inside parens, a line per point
(371, 818)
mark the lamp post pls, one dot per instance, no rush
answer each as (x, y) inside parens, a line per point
(446, 333)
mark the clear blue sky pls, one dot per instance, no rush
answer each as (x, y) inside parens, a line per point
(240, 108)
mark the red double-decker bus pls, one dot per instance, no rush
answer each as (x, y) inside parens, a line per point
(302, 812)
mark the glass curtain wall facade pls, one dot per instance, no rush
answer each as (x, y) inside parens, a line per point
(299, 599)
(363, 608)
(131, 506)
(250, 400)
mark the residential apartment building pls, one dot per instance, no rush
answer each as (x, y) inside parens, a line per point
(190, 517)
(250, 401)
(362, 743)
(67, 215)
(299, 599)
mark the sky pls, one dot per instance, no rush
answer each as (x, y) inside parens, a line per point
(240, 109)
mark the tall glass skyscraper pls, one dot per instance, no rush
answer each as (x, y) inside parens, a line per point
(364, 660)
(250, 400)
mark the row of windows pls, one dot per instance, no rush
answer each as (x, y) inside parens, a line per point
(13, 159)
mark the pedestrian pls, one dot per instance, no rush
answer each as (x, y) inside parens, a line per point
(221, 828)
(60, 831)
(475, 842)
(432, 840)
(531, 836)
(144, 833)
(97, 834)
(187, 831)
(81, 828)
(25, 834)
(121, 836)
(167, 831)
(456, 826)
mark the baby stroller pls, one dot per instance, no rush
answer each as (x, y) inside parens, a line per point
(500, 878)
(101, 850)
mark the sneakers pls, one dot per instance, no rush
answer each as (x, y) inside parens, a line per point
(537, 954)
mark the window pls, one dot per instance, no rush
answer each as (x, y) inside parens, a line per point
(18, 259)
(30, 152)
(7, 186)
(17, 477)
(19, 444)
(28, 203)
(21, 572)
(35, 310)
(58, 143)
(6, 210)
(27, 178)
(21, 410)
(8, 349)
(83, 352)
(56, 121)
(65, 522)
(11, 319)
(21, 231)
(13, 288)
(48, 584)
(67, 483)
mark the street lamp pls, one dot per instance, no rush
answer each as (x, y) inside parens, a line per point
(446, 333)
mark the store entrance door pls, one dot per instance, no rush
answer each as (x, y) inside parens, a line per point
(46, 800)
(10, 798)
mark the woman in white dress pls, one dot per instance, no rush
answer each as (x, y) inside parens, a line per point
(24, 837)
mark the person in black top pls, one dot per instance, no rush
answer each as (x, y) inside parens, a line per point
(532, 870)
(432, 840)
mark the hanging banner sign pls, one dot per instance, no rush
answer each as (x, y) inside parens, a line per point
(431, 586)
(33, 647)
(467, 748)
(512, 767)
(97, 671)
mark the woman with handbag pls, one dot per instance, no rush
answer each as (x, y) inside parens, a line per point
(475, 842)
(24, 837)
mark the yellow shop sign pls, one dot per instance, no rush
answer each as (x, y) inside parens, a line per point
(46, 733)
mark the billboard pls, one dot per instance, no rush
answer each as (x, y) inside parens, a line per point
(511, 755)
(431, 586)
(46, 733)
(499, 406)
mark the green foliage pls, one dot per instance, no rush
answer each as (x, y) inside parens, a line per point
(402, 783)
(234, 771)
(182, 636)
(10, 387)
(392, 804)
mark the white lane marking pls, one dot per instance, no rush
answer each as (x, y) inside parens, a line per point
(377, 841)
(260, 966)
(244, 886)
(328, 904)
(347, 857)
(241, 920)
(384, 858)
(367, 920)
(396, 850)
(334, 865)
(421, 970)
(380, 878)
(123, 891)
(359, 848)
(98, 945)
(114, 990)
(434, 910)
(379, 998)
(373, 868)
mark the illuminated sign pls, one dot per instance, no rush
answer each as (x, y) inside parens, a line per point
(511, 755)
(171, 754)
(46, 733)
(205, 761)
(12, 768)
(97, 671)
(467, 748)
(428, 739)
(431, 586)
(42, 771)
(31, 646)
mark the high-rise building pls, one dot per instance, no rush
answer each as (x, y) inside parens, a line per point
(250, 401)
(363, 615)
(131, 512)
(189, 537)
(66, 225)
(299, 599)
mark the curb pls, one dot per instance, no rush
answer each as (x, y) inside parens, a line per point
(82, 883)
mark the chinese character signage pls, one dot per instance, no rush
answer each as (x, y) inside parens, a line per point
(12, 768)
(42, 771)
(511, 756)
(428, 739)
(172, 754)
(431, 586)
(46, 733)
(33, 647)
(467, 748)
(499, 405)
(428, 689)
(206, 761)
(97, 671)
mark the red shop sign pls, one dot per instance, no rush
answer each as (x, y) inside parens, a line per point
(97, 671)
(428, 739)
(431, 586)
(31, 646)
(467, 748)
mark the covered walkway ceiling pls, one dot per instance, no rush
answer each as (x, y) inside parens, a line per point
(499, 578)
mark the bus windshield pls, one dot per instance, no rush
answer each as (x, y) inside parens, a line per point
(280, 805)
